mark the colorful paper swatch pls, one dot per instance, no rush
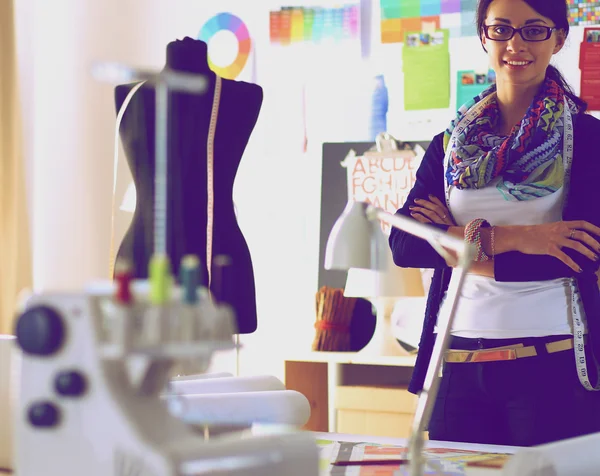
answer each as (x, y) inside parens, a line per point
(400, 16)
(453, 461)
(394, 30)
(300, 24)
(450, 6)
(584, 12)
(232, 23)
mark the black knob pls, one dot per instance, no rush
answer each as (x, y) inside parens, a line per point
(43, 414)
(70, 383)
(40, 331)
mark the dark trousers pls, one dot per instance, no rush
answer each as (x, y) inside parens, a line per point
(522, 402)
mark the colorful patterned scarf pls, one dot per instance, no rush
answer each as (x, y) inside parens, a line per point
(529, 159)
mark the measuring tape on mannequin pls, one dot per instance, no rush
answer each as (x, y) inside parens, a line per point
(120, 114)
(575, 308)
(209, 173)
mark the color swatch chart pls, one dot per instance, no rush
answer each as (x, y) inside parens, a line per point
(400, 16)
(584, 12)
(301, 24)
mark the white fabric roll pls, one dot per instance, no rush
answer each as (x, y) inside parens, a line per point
(227, 385)
(286, 407)
(202, 376)
(575, 456)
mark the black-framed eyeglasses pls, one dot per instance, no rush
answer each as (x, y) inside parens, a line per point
(528, 33)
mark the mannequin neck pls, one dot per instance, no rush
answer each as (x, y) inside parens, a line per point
(188, 55)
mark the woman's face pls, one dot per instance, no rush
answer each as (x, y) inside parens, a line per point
(517, 61)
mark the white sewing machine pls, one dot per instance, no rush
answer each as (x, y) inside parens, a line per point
(95, 367)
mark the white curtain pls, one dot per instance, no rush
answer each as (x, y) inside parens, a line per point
(15, 249)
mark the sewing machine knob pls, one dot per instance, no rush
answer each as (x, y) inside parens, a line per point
(70, 383)
(43, 414)
(40, 331)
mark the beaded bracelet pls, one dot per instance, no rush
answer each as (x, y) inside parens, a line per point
(473, 235)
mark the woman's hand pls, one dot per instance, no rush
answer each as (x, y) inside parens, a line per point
(431, 211)
(551, 239)
(434, 211)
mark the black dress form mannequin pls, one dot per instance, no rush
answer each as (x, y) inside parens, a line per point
(188, 125)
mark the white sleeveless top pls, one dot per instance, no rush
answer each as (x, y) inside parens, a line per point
(503, 310)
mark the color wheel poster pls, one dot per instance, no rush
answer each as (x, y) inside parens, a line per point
(232, 29)
(233, 25)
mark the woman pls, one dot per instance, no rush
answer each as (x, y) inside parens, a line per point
(517, 173)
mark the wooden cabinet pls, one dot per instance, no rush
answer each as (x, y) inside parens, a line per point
(374, 410)
(354, 393)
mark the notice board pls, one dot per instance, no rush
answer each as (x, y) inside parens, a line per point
(349, 171)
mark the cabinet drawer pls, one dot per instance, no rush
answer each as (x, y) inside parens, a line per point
(358, 422)
(377, 411)
(375, 398)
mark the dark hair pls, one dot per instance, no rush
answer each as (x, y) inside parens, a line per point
(558, 12)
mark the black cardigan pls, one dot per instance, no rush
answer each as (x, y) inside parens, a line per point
(582, 204)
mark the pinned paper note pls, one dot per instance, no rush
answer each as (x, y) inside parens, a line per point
(426, 64)
(470, 83)
(589, 64)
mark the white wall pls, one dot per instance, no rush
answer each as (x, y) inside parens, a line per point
(69, 121)
(68, 118)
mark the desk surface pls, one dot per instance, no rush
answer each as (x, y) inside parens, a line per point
(328, 454)
(352, 358)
